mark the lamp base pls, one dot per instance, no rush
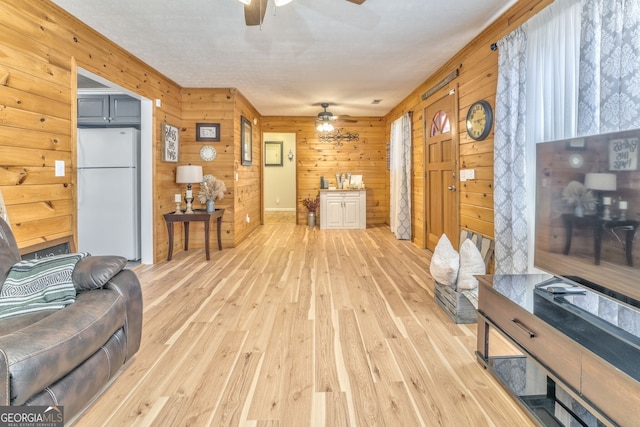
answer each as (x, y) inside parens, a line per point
(189, 209)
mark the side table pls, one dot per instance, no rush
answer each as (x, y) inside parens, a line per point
(198, 215)
(598, 225)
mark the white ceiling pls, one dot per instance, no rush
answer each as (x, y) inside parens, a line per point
(305, 53)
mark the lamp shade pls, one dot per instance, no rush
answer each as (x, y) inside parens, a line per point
(600, 181)
(247, 2)
(281, 2)
(188, 174)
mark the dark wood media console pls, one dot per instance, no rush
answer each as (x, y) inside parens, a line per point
(574, 353)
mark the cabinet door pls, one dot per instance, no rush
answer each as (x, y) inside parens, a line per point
(352, 213)
(93, 110)
(334, 212)
(124, 110)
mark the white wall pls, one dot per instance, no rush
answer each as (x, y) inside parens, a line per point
(280, 182)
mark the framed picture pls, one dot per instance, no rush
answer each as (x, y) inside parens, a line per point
(170, 143)
(208, 132)
(623, 154)
(245, 140)
(577, 144)
(273, 153)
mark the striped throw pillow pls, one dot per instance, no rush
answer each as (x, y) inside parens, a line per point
(39, 284)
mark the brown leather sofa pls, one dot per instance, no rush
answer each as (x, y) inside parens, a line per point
(66, 356)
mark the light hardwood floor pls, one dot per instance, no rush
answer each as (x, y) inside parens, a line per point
(302, 327)
(279, 217)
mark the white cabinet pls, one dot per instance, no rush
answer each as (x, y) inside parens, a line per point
(343, 209)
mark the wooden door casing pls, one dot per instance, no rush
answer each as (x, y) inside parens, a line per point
(441, 155)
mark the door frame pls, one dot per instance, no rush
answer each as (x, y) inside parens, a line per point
(146, 163)
(274, 135)
(451, 90)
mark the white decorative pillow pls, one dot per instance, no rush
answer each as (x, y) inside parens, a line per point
(471, 263)
(444, 263)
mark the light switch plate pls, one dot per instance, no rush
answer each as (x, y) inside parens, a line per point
(59, 167)
(467, 174)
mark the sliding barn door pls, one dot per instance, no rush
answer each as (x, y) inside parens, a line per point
(441, 154)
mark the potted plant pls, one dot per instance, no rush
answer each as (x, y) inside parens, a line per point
(210, 190)
(311, 205)
(576, 194)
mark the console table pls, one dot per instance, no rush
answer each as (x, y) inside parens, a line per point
(198, 215)
(598, 225)
(569, 360)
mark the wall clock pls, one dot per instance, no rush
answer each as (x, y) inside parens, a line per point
(576, 160)
(207, 153)
(479, 120)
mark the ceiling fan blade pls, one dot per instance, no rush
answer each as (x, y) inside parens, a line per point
(357, 1)
(254, 13)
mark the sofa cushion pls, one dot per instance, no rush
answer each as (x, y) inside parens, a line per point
(95, 271)
(60, 342)
(471, 263)
(39, 284)
(444, 262)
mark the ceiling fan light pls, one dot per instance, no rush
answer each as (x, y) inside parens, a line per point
(247, 2)
(281, 2)
(325, 127)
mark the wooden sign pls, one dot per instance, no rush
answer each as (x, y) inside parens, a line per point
(623, 154)
(170, 143)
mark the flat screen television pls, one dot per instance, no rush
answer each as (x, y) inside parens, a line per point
(588, 210)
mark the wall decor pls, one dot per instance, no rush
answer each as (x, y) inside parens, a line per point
(208, 153)
(479, 120)
(577, 144)
(273, 152)
(623, 154)
(170, 143)
(245, 140)
(208, 132)
(337, 137)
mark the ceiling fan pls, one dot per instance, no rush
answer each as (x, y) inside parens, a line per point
(325, 118)
(254, 10)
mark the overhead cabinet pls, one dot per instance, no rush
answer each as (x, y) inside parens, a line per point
(343, 209)
(105, 110)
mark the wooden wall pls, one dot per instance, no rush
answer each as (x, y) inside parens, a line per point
(248, 189)
(211, 106)
(41, 46)
(478, 67)
(314, 159)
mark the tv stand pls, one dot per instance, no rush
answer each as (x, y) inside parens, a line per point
(562, 360)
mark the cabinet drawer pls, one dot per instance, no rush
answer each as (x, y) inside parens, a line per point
(611, 390)
(548, 346)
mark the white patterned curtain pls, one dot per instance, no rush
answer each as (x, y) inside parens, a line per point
(510, 197)
(400, 177)
(609, 97)
(536, 101)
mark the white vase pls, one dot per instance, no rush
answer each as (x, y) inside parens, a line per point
(579, 210)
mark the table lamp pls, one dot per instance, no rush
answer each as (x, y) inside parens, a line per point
(188, 174)
(601, 182)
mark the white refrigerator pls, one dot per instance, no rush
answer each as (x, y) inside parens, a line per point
(109, 192)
